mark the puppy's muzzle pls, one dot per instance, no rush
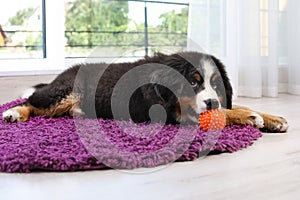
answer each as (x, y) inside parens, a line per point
(212, 104)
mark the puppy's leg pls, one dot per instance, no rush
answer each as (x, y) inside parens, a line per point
(21, 113)
(243, 116)
(266, 122)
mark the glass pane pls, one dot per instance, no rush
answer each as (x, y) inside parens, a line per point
(103, 28)
(167, 26)
(107, 28)
(21, 29)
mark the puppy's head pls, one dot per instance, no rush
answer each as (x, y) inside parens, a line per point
(207, 78)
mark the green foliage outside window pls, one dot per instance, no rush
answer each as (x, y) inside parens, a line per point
(105, 23)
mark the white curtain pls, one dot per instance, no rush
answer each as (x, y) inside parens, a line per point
(294, 46)
(258, 40)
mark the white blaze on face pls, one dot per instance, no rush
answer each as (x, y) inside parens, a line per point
(209, 69)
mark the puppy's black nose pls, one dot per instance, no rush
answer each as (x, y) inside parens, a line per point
(211, 104)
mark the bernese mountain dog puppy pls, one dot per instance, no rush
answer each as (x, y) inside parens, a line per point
(184, 84)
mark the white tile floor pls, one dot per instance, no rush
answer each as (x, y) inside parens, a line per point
(270, 169)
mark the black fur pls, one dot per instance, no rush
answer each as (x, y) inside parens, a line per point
(98, 93)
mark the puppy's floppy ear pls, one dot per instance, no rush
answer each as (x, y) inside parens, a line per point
(226, 82)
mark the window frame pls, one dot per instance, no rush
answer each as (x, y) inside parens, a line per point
(53, 48)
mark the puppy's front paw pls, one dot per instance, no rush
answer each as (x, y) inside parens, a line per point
(257, 120)
(11, 115)
(275, 124)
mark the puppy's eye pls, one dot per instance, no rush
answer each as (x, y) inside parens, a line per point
(194, 83)
(216, 82)
(195, 80)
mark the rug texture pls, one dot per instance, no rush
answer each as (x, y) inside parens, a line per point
(67, 144)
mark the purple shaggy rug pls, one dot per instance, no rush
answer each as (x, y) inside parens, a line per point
(67, 144)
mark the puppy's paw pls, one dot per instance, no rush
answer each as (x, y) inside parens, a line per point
(11, 115)
(275, 124)
(256, 120)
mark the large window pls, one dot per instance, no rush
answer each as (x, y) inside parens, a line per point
(101, 28)
(108, 28)
(21, 30)
(39, 36)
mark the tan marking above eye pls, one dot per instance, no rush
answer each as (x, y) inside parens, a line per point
(214, 78)
(197, 77)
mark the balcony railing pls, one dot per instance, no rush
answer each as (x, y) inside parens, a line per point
(79, 40)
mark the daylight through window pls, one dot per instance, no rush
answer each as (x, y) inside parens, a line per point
(106, 28)
(21, 30)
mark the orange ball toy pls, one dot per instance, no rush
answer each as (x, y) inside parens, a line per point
(212, 120)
